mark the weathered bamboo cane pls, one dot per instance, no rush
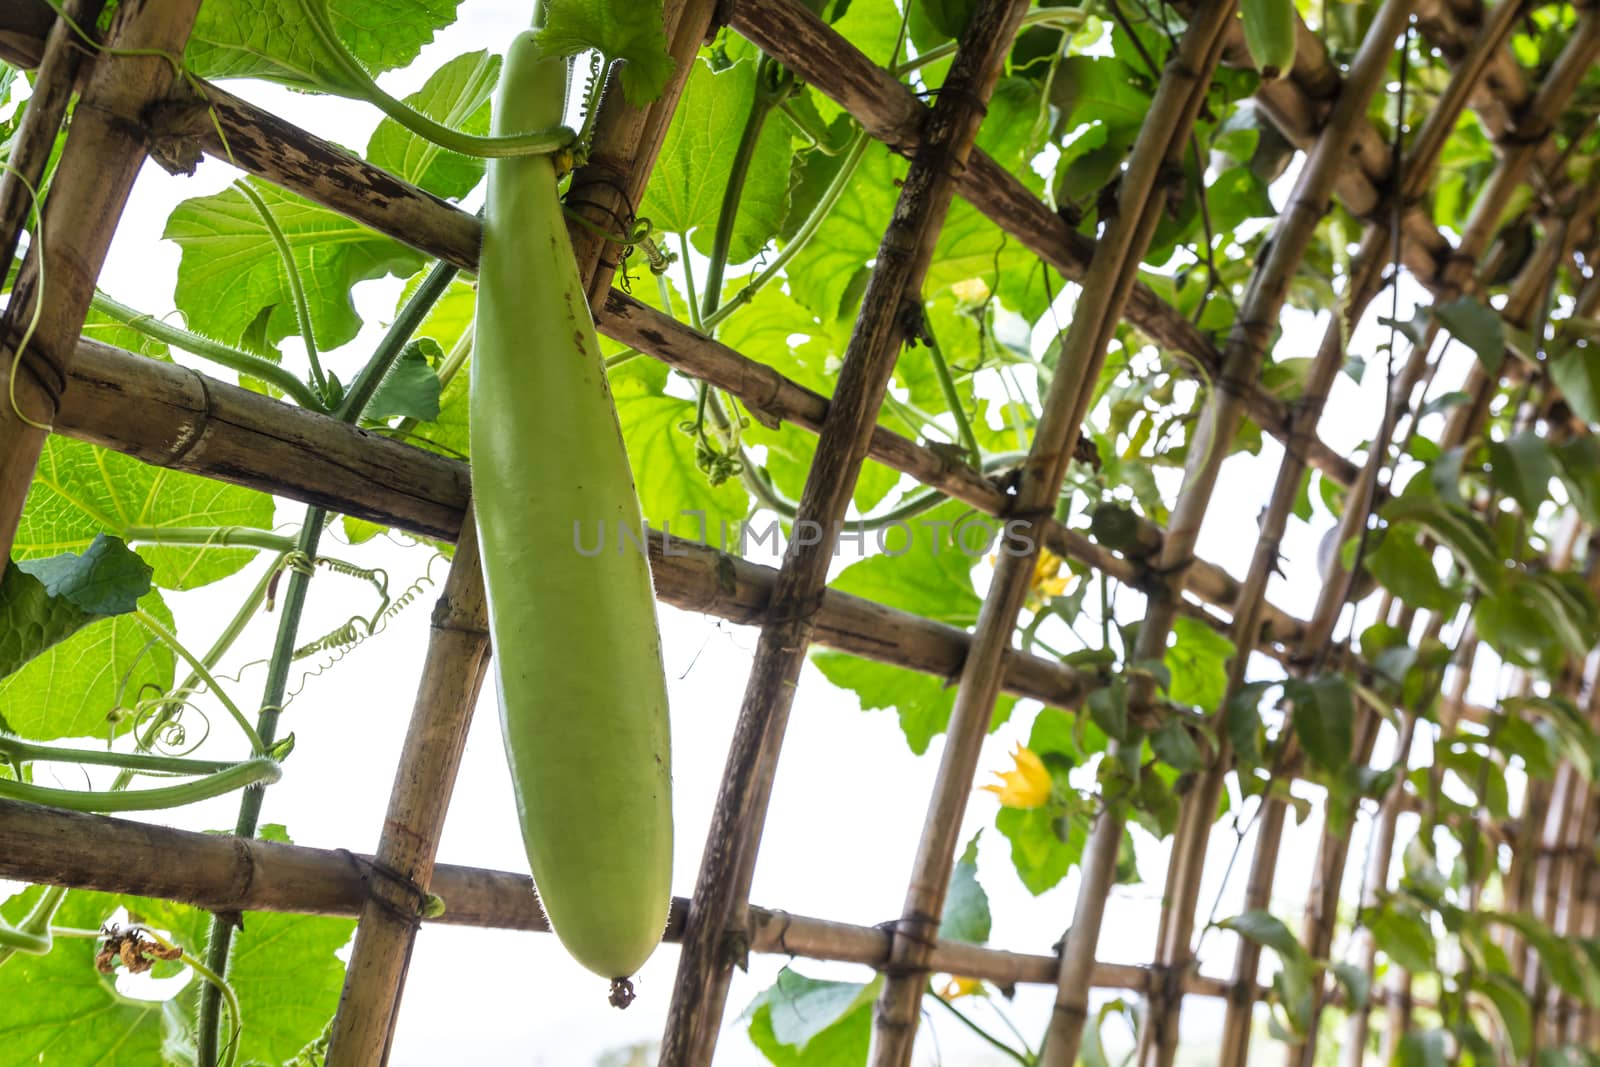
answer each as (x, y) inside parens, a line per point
(889, 317)
(1105, 291)
(1159, 1037)
(1219, 421)
(59, 65)
(1489, 206)
(97, 168)
(54, 847)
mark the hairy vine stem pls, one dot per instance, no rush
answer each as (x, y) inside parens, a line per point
(297, 289)
(196, 345)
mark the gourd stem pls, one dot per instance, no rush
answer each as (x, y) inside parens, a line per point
(773, 86)
(361, 84)
(297, 289)
(394, 342)
(213, 656)
(258, 771)
(220, 940)
(204, 347)
(167, 638)
(209, 537)
(32, 934)
(966, 1021)
(17, 750)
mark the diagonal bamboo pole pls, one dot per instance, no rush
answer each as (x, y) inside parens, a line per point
(457, 656)
(1489, 206)
(1159, 1037)
(1161, 140)
(35, 137)
(890, 315)
(1247, 346)
(458, 646)
(1380, 851)
(98, 165)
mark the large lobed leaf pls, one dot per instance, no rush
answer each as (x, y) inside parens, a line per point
(272, 39)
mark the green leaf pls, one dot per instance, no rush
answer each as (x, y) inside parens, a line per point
(1044, 844)
(248, 39)
(1403, 936)
(1578, 465)
(966, 905)
(948, 17)
(810, 1022)
(1457, 529)
(58, 1009)
(629, 30)
(231, 275)
(288, 979)
(1478, 327)
(1577, 374)
(1243, 722)
(1324, 717)
(1266, 930)
(1511, 1005)
(1521, 467)
(672, 488)
(922, 701)
(1422, 1048)
(687, 188)
(456, 95)
(1172, 743)
(75, 687)
(1406, 569)
(1357, 984)
(107, 579)
(81, 491)
(935, 587)
(31, 620)
(820, 273)
(1198, 662)
(1108, 709)
(411, 388)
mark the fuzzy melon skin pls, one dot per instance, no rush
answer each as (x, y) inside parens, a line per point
(577, 652)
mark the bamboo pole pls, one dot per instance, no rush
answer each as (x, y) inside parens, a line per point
(1106, 288)
(1218, 423)
(889, 316)
(62, 59)
(97, 168)
(458, 645)
(1159, 1037)
(452, 675)
(1380, 851)
(1489, 206)
(219, 873)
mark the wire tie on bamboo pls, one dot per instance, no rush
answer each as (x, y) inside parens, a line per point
(422, 902)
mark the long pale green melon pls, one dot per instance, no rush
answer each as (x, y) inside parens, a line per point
(577, 652)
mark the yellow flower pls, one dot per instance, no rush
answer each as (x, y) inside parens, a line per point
(958, 986)
(1047, 581)
(970, 294)
(1027, 786)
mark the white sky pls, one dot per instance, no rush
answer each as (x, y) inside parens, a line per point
(849, 798)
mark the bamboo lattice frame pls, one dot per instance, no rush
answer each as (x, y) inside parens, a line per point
(193, 423)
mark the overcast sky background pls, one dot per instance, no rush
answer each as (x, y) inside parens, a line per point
(850, 796)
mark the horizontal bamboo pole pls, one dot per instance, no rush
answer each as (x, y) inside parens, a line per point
(190, 422)
(225, 873)
(218, 872)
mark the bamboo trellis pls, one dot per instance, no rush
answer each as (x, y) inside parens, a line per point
(190, 422)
